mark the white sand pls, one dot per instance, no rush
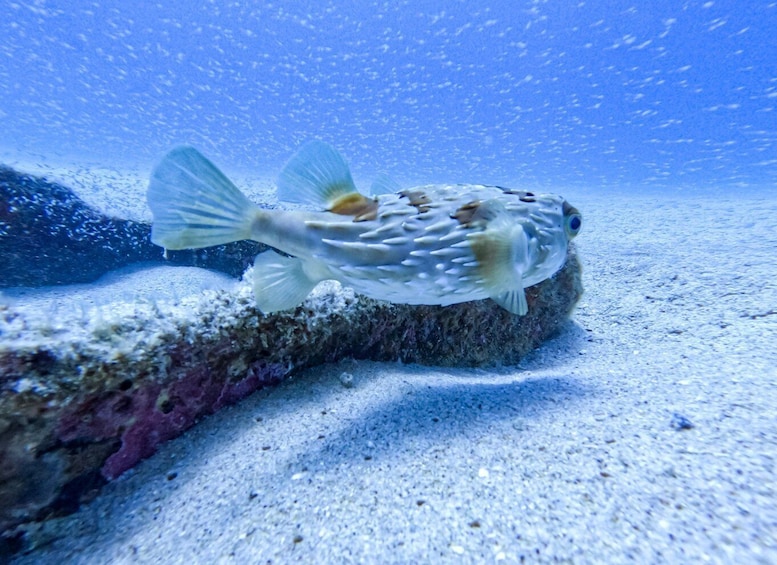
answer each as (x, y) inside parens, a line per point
(571, 455)
(135, 283)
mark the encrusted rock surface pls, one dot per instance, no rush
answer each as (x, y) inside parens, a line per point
(49, 236)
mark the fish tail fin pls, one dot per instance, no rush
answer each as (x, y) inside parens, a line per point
(280, 282)
(194, 204)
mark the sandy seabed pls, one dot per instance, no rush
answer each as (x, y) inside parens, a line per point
(646, 431)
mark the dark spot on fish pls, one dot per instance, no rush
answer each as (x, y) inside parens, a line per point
(347, 204)
(356, 205)
(466, 212)
(474, 214)
(417, 198)
(478, 213)
(520, 193)
(523, 195)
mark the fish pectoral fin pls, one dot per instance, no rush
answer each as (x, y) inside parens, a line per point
(500, 250)
(280, 282)
(317, 175)
(194, 204)
(513, 301)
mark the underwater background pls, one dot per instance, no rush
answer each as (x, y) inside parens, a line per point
(640, 427)
(540, 94)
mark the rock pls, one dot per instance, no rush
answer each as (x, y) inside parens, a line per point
(346, 379)
(680, 422)
(49, 236)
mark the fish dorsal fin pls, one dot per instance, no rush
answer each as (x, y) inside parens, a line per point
(317, 175)
(384, 184)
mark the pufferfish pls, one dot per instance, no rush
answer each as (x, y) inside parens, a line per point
(431, 244)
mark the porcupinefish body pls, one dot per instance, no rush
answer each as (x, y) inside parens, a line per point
(433, 244)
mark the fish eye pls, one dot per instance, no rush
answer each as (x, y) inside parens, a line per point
(573, 223)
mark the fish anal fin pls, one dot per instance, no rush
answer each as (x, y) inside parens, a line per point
(280, 282)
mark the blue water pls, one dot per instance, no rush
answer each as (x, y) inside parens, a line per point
(530, 93)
